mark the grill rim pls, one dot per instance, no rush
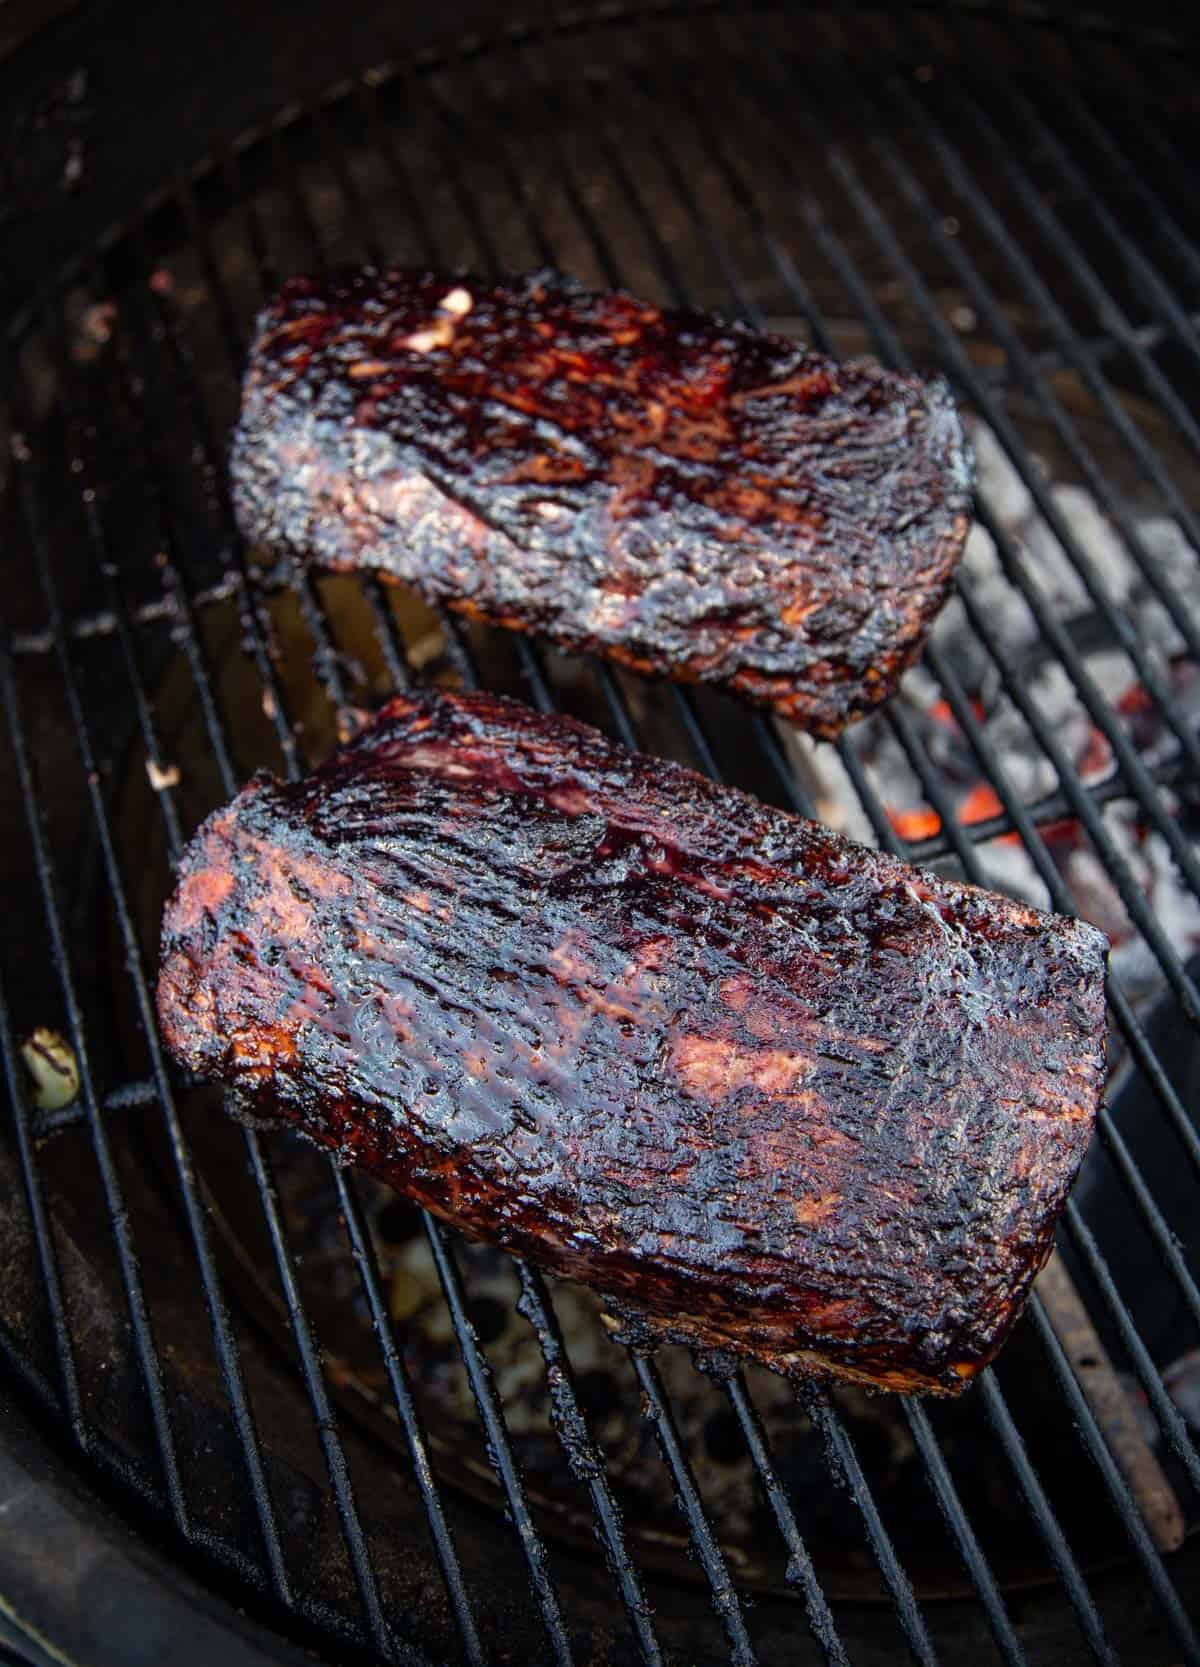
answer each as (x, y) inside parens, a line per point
(49, 1603)
(540, 689)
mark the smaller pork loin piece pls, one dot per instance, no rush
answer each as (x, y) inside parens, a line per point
(769, 1090)
(696, 499)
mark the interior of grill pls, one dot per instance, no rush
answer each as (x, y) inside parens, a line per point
(375, 1438)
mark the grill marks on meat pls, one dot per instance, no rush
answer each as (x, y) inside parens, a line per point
(695, 499)
(770, 1090)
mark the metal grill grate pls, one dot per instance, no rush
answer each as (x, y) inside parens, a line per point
(915, 210)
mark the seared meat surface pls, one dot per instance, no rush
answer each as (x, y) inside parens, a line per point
(695, 499)
(773, 1091)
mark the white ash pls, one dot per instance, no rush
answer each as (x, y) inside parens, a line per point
(1007, 867)
(1051, 568)
(1026, 766)
(997, 478)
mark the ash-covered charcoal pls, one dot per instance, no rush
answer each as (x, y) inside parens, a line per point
(695, 499)
(770, 1090)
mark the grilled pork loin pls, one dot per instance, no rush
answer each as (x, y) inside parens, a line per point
(772, 1091)
(695, 499)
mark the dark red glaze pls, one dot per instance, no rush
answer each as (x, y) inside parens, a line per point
(775, 1092)
(695, 499)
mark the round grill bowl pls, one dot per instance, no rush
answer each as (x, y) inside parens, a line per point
(257, 1405)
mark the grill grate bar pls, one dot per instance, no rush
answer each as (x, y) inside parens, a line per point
(1127, 1169)
(1053, 630)
(843, 1461)
(1170, 1420)
(148, 1362)
(977, 1564)
(905, 734)
(800, 1569)
(1133, 178)
(902, 1593)
(499, 1449)
(916, 113)
(1048, 1526)
(24, 1124)
(1043, 813)
(1110, 316)
(618, 708)
(1131, 1520)
(355, 1538)
(1069, 784)
(1018, 816)
(334, 1454)
(1165, 80)
(724, 1594)
(478, 1372)
(901, 728)
(1166, 305)
(83, 626)
(405, 1406)
(410, 1417)
(583, 1456)
(724, 1597)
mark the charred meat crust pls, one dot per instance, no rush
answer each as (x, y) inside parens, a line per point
(695, 499)
(778, 1093)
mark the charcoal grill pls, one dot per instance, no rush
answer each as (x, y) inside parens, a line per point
(253, 1405)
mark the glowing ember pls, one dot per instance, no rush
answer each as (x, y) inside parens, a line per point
(980, 804)
(915, 824)
(1096, 760)
(1135, 701)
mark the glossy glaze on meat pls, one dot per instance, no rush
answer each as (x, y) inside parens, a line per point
(773, 1091)
(695, 499)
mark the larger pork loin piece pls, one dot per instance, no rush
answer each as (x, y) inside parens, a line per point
(769, 1090)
